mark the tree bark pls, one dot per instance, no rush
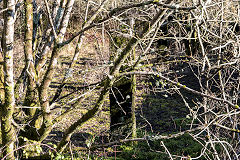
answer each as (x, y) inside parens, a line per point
(31, 95)
(133, 89)
(8, 132)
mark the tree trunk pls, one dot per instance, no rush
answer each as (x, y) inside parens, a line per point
(122, 98)
(133, 91)
(31, 95)
(43, 91)
(8, 132)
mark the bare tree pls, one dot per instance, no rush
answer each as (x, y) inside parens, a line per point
(200, 38)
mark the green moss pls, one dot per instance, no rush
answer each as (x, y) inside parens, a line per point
(183, 145)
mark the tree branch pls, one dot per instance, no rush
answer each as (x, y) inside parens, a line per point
(182, 86)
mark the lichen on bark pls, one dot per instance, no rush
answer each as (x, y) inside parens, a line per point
(8, 131)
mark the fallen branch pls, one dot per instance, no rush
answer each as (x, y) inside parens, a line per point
(147, 138)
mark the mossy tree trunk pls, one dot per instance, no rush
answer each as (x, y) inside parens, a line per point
(31, 95)
(31, 100)
(8, 131)
(122, 97)
(134, 89)
(1, 93)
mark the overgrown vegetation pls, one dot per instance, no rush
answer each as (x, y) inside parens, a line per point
(119, 79)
